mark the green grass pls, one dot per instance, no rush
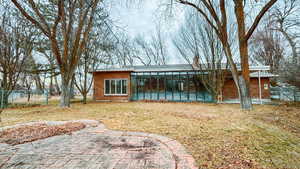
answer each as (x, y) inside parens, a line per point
(216, 135)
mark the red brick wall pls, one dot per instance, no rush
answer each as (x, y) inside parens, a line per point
(230, 91)
(99, 85)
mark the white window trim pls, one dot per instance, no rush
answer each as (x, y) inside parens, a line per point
(105, 94)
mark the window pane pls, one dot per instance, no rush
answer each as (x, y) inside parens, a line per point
(153, 84)
(133, 88)
(124, 86)
(107, 87)
(119, 83)
(113, 87)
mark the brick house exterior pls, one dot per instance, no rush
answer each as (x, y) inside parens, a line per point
(169, 82)
(99, 78)
(230, 90)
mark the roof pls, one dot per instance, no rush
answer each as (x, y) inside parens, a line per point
(169, 68)
(262, 74)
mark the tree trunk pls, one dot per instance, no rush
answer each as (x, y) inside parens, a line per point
(84, 100)
(245, 99)
(72, 96)
(57, 86)
(244, 80)
(51, 84)
(38, 82)
(28, 96)
(65, 96)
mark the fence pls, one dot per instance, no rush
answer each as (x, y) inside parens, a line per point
(22, 98)
(285, 93)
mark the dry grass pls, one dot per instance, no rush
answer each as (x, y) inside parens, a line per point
(25, 134)
(218, 136)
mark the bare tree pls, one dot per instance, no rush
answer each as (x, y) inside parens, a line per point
(67, 25)
(215, 13)
(44, 48)
(267, 48)
(27, 81)
(285, 19)
(16, 43)
(153, 51)
(98, 51)
(124, 51)
(199, 46)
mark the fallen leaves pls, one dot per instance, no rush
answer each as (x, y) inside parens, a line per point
(29, 133)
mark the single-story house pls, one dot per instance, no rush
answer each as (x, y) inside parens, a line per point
(170, 83)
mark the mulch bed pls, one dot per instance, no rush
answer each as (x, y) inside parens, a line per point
(25, 134)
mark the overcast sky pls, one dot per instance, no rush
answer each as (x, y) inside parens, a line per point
(141, 19)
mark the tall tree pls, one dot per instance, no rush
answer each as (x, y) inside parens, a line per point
(44, 48)
(285, 19)
(267, 48)
(199, 46)
(124, 50)
(153, 51)
(98, 51)
(67, 25)
(16, 42)
(215, 13)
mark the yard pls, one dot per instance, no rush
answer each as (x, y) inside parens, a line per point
(218, 136)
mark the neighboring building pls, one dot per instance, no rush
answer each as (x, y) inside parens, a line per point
(170, 83)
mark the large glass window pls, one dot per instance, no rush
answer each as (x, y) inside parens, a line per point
(115, 86)
(172, 86)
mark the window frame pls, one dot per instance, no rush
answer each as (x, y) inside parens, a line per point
(110, 87)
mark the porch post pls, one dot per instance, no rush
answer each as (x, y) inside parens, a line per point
(259, 85)
(157, 87)
(179, 77)
(137, 86)
(188, 84)
(165, 81)
(144, 79)
(172, 84)
(196, 84)
(150, 86)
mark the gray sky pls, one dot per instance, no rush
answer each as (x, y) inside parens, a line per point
(135, 19)
(141, 19)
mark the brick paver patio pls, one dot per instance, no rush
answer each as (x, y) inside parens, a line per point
(98, 147)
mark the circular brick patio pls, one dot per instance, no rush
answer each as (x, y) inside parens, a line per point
(97, 147)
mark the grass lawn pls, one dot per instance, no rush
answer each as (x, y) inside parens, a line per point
(216, 135)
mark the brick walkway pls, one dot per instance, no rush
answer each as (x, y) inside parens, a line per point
(98, 147)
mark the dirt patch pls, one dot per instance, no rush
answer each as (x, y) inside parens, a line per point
(29, 133)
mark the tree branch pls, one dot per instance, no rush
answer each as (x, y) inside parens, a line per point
(31, 19)
(258, 18)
